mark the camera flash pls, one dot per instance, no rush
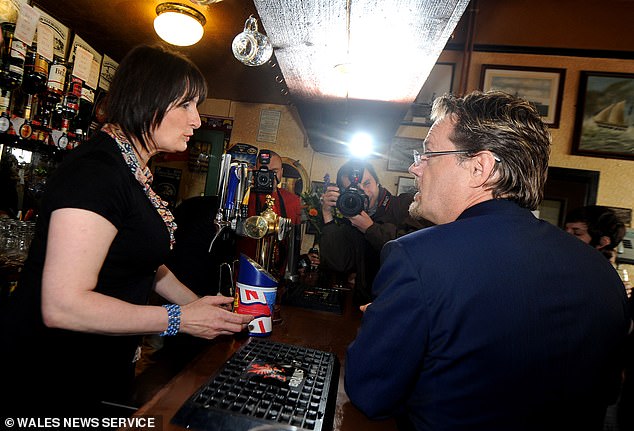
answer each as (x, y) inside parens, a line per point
(361, 145)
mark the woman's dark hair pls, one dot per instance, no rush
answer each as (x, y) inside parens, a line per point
(149, 80)
(601, 221)
(347, 169)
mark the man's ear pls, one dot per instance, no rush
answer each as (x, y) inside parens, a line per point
(481, 168)
(604, 241)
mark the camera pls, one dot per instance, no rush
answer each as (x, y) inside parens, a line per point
(263, 178)
(353, 200)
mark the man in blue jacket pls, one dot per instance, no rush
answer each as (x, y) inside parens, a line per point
(492, 319)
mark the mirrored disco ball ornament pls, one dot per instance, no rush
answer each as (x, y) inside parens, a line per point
(252, 47)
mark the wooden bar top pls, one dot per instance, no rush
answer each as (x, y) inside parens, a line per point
(321, 330)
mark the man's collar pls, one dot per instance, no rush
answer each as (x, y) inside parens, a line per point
(489, 206)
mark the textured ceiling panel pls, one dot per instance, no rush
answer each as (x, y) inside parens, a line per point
(359, 49)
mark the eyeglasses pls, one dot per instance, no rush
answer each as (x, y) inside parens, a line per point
(426, 155)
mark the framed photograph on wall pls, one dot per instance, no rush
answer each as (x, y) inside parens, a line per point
(439, 82)
(401, 153)
(406, 185)
(544, 87)
(604, 123)
(552, 211)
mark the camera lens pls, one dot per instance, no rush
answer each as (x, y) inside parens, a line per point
(262, 180)
(351, 202)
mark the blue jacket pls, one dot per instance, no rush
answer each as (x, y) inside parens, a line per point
(497, 321)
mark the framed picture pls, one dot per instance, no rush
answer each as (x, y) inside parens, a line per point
(604, 123)
(406, 185)
(439, 82)
(401, 153)
(566, 189)
(269, 125)
(543, 87)
(552, 211)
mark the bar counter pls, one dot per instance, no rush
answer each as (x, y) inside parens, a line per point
(317, 329)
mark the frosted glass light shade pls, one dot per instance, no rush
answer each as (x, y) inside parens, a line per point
(178, 24)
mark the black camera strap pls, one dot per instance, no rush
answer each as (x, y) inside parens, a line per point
(385, 199)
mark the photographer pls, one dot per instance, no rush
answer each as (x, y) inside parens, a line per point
(267, 178)
(371, 218)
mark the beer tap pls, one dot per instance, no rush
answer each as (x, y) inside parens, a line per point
(221, 222)
(234, 183)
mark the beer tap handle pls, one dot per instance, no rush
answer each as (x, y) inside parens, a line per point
(223, 178)
(232, 187)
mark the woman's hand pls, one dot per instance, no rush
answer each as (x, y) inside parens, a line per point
(205, 318)
(77, 246)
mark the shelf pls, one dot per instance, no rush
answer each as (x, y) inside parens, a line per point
(32, 145)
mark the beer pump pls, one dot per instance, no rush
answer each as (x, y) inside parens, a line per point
(234, 188)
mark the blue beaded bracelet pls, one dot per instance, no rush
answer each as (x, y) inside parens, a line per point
(173, 319)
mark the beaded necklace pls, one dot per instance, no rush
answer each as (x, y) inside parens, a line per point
(143, 176)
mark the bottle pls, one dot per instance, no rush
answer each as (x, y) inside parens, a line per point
(51, 99)
(81, 124)
(56, 76)
(5, 115)
(33, 83)
(35, 72)
(19, 101)
(70, 103)
(12, 58)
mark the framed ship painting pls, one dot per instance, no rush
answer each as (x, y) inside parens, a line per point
(604, 123)
(543, 87)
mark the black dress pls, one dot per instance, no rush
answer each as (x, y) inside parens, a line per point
(52, 370)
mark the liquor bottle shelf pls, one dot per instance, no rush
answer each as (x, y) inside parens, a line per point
(33, 145)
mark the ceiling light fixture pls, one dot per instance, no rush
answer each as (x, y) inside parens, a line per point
(179, 24)
(205, 2)
(252, 47)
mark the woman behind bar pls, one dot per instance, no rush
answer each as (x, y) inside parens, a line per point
(70, 332)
